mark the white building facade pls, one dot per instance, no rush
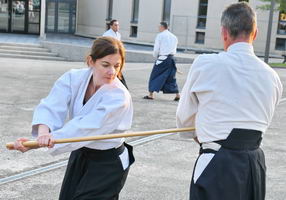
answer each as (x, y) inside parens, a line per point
(196, 23)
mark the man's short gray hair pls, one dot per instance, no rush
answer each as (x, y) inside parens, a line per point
(239, 19)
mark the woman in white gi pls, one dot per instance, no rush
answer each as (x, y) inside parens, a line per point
(97, 103)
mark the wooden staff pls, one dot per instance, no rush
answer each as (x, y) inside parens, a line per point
(34, 144)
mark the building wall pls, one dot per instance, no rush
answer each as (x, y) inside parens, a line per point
(92, 15)
(122, 12)
(150, 14)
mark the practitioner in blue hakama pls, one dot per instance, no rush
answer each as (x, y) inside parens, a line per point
(163, 75)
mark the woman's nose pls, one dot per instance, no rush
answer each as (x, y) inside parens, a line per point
(111, 70)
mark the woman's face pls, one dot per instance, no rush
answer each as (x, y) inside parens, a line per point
(106, 69)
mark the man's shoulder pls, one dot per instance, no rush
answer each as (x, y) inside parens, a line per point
(208, 57)
(166, 34)
(206, 62)
(107, 33)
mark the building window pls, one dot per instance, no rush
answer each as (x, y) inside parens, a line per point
(34, 16)
(243, 0)
(202, 14)
(109, 10)
(282, 23)
(133, 32)
(135, 11)
(280, 44)
(166, 11)
(200, 38)
(60, 16)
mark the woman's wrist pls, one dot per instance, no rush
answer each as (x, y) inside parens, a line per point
(43, 130)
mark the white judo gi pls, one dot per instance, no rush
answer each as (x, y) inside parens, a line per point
(109, 110)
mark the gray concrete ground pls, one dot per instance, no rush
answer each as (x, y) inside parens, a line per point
(163, 167)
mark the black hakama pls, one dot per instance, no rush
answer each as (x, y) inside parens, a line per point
(95, 174)
(236, 172)
(123, 81)
(163, 77)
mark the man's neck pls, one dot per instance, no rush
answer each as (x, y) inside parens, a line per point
(231, 42)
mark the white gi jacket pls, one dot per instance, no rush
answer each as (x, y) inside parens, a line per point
(113, 34)
(109, 110)
(165, 44)
(232, 89)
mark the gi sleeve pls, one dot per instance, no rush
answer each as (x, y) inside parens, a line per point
(196, 84)
(279, 91)
(103, 118)
(187, 107)
(52, 110)
(156, 49)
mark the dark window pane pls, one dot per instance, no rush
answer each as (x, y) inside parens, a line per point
(50, 16)
(109, 11)
(133, 32)
(135, 11)
(166, 11)
(36, 4)
(200, 38)
(34, 28)
(280, 44)
(201, 22)
(202, 14)
(282, 23)
(3, 15)
(203, 10)
(63, 17)
(34, 17)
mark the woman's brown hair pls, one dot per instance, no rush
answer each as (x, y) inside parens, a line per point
(104, 46)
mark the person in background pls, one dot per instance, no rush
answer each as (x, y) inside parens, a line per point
(163, 75)
(113, 32)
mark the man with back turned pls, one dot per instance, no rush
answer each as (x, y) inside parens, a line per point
(230, 97)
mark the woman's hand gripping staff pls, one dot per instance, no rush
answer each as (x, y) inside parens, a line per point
(44, 139)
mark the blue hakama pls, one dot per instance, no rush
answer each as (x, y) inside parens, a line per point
(163, 78)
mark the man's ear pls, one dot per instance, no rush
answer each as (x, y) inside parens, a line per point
(224, 33)
(255, 34)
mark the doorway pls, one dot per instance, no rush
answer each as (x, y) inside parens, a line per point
(20, 16)
(61, 16)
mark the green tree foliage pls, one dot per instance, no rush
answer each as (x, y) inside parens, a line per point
(280, 5)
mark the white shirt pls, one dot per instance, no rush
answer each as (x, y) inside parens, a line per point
(113, 34)
(109, 110)
(233, 89)
(165, 44)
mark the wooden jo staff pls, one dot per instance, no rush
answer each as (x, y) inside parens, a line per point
(34, 144)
